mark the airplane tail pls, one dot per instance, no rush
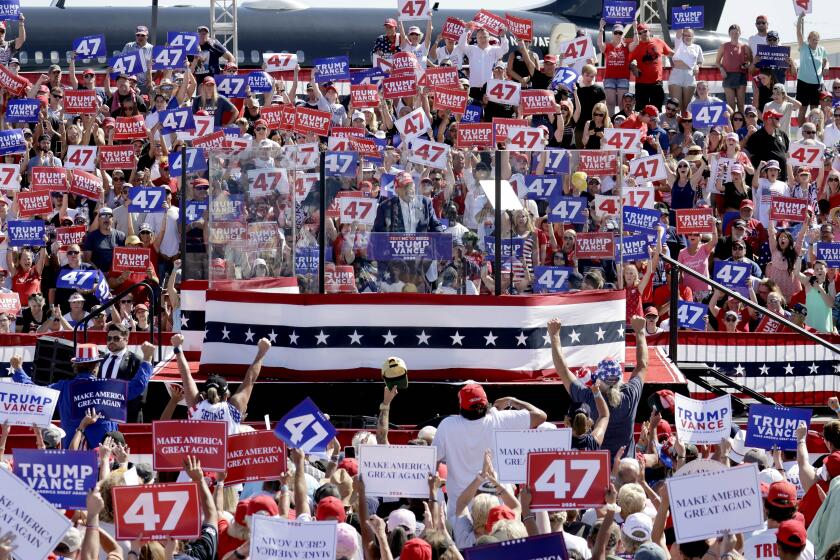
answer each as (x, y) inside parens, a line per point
(589, 9)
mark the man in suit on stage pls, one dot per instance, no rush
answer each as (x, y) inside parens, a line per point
(122, 363)
(406, 212)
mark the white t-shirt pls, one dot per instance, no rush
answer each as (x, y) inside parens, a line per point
(762, 546)
(456, 57)
(786, 110)
(831, 135)
(756, 40)
(461, 444)
(222, 411)
(766, 190)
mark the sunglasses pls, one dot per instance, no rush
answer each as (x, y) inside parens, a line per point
(739, 248)
(259, 128)
(809, 132)
(833, 180)
(737, 118)
(202, 188)
(669, 108)
(113, 338)
(58, 96)
(145, 233)
(731, 320)
(73, 252)
(126, 302)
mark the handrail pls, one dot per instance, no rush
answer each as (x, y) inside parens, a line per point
(114, 300)
(673, 324)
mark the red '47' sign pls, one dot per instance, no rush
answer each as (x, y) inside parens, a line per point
(803, 154)
(175, 439)
(623, 139)
(504, 92)
(568, 479)
(255, 456)
(694, 220)
(156, 511)
(649, 169)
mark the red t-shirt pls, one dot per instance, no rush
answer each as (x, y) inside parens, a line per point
(742, 326)
(662, 294)
(648, 57)
(226, 543)
(25, 284)
(617, 61)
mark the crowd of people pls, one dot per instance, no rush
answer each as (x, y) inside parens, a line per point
(235, 229)
(467, 505)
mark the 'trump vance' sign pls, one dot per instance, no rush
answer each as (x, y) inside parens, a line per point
(705, 422)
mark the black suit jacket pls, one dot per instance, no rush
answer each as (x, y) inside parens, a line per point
(126, 371)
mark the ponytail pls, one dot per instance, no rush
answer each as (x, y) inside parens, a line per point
(580, 424)
(213, 395)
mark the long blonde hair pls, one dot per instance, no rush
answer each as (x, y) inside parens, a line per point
(602, 108)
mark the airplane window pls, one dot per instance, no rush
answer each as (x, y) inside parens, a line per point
(54, 58)
(240, 56)
(23, 57)
(255, 56)
(39, 57)
(301, 56)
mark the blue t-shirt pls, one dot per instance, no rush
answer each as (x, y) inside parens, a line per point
(620, 428)
(810, 64)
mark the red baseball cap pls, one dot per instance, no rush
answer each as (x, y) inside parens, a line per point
(259, 122)
(642, 27)
(550, 58)
(747, 203)
(496, 514)
(330, 508)
(262, 503)
(782, 494)
(402, 179)
(241, 511)
(651, 111)
(208, 81)
(472, 395)
(771, 114)
(792, 533)
(416, 549)
(390, 22)
(350, 465)
(663, 430)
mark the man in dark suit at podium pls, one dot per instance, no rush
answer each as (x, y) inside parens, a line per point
(406, 213)
(122, 363)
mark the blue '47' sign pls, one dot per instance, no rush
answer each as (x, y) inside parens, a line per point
(567, 209)
(168, 58)
(186, 39)
(89, 46)
(146, 199)
(692, 315)
(709, 113)
(551, 278)
(306, 428)
(195, 162)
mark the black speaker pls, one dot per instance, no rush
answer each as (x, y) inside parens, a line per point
(52, 360)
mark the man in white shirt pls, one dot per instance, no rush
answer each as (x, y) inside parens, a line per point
(462, 439)
(482, 56)
(779, 508)
(831, 135)
(760, 38)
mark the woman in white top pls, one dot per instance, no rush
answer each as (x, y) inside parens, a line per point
(413, 41)
(686, 63)
(782, 103)
(216, 402)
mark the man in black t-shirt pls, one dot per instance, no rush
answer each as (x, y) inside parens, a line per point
(770, 142)
(541, 79)
(212, 51)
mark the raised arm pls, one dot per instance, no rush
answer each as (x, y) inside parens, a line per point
(190, 388)
(243, 394)
(192, 465)
(807, 473)
(600, 427)
(557, 355)
(800, 30)
(301, 497)
(384, 412)
(641, 348)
